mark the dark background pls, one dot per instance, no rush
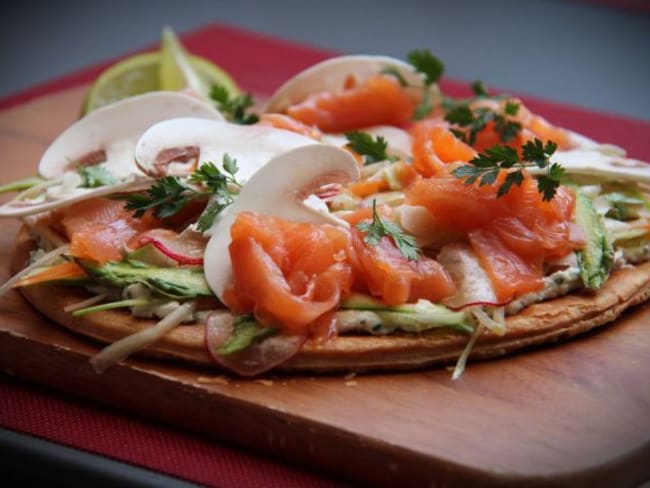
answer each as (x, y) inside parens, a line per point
(588, 53)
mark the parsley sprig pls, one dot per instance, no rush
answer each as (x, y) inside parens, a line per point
(234, 108)
(95, 176)
(474, 121)
(486, 167)
(379, 228)
(373, 149)
(169, 195)
(224, 188)
(430, 67)
(427, 64)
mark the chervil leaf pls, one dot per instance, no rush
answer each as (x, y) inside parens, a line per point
(489, 177)
(210, 176)
(393, 71)
(230, 165)
(460, 115)
(547, 187)
(233, 108)
(506, 155)
(379, 228)
(95, 176)
(512, 107)
(513, 178)
(507, 129)
(479, 89)
(209, 215)
(169, 195)
(426, 63)
(165, 197)
(373, 149)
(486, 166)
(533, 151)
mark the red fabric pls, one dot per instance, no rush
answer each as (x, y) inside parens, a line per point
(260, 64)
(88, 426)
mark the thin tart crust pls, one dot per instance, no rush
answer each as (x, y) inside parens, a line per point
(544, 322)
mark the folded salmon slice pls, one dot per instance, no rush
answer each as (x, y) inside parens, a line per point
(292, 275)
(99, 229)
(513, 235)
(379, 100)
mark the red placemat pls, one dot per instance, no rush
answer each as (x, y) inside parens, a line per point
(260, 64)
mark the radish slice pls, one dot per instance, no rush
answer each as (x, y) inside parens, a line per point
(185, 248)
(258, 357)
(480, 304)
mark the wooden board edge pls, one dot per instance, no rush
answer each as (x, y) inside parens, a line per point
(273, 432)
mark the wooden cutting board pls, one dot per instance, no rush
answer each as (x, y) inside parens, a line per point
(574, 413)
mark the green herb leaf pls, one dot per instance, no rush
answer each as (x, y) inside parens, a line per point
(512, 107)
(234, 108)
(486, 167)
(211, 212)
(95, 176)
(169, 195)
(426, 63)
(479, 89)
(373, 149)
(379, 228)
(166, 197)
(210, 176)
(512, 178)
(393, 71)
(475, 121)
(460, 115)
(246, 332)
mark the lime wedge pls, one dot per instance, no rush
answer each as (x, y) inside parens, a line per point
(169, 69)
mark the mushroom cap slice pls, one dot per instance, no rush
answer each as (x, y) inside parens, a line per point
(601, 164)
(279, 189)
(107, 135)
(116, 128)
(399, 142)
(251, 145)
(330, 75)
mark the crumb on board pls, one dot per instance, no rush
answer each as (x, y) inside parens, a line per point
(264, 382)
(351, 383)
(349, 376)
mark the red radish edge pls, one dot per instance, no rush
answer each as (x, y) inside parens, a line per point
(244, 362)
(482, 304)
(180, 258)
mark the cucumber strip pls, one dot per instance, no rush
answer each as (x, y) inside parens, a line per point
(20, 185)
(109, 306)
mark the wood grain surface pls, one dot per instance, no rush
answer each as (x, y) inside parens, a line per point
(570, 414)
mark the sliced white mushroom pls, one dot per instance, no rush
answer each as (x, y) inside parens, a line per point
(332, 74)
(398, 140)
(591, 162)
(23, 208)
(418, 222)
(177, 146)
(584, 142)
(472, 282)
(279, 189)
(107, 136)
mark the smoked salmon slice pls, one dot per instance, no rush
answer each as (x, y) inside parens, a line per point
(513, 235)
(293, 275)
(99, 229)
(379, 100)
